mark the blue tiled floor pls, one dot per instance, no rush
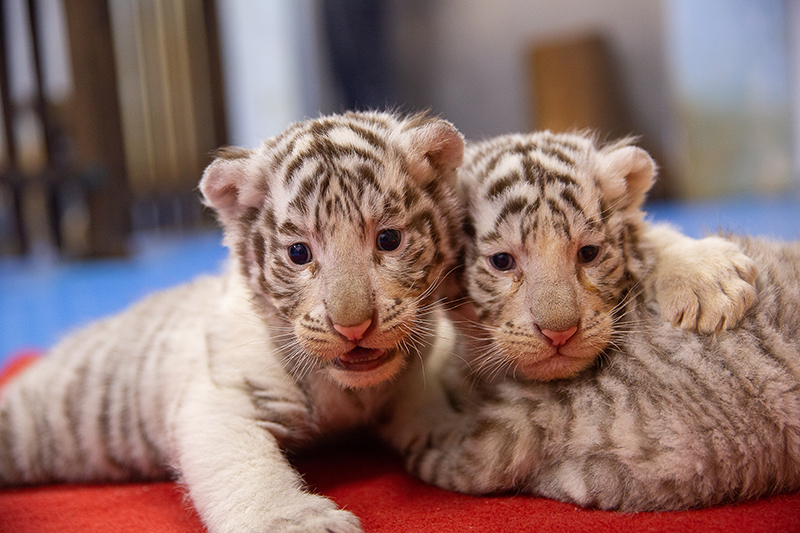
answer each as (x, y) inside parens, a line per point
(40, 301)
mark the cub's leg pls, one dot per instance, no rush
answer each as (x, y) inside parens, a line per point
(236, 474)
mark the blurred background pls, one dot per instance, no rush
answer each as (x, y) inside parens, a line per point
(111, 108)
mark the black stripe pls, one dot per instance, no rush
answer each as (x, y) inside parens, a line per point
(555, 210)
(10, 472)
(511, 207)
(570, 199)
(74, 394)
(41, 441)
(454, 400)
(259, 251)
(331, 151)
(550, 176)
(411, 196)
(557, 153)
(268, 218)
(147, 354)
(367, 176)
(284, 275)
(305, 191)
(289, 228)
(491, 165)
(371, 137)
(105, 421)
(125, 419)
(390, 209)
(474, 163)
(528, 225)
(425, 222)
(247, 218)
(281, 153)
(501, 185)
(292, 168)
(433, 189)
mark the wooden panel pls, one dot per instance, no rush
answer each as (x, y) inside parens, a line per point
(574, 87)
(97, 128)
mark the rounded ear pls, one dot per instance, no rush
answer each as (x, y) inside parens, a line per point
(626, 174)
(232, 183)
(433, 147)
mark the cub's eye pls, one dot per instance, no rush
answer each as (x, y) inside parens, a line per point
(587, 254)
(299, 253)
(388, 240)
(502, 261)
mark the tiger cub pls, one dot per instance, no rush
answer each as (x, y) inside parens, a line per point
(557, 268)
(340, 230)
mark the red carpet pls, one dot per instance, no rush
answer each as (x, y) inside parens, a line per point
(369, 481)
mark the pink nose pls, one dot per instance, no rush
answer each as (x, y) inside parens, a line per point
(353, 333)
(559, 338)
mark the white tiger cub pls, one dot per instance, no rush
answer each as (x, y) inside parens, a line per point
(340, 229)
(669, 418)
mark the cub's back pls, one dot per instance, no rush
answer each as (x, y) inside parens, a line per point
(103, 382)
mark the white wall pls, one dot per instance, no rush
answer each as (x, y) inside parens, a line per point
(261, 58)
(477, 74)
(464, 59)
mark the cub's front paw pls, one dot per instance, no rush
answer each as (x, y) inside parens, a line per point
(705, 285)
(315, 514)
(329, 521)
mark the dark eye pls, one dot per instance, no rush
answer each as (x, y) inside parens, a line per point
(299, 253)
(587, 254)
(502, 261)
(388, 240)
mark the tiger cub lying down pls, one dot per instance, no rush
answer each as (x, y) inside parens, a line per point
(341, 230)
(574, 386)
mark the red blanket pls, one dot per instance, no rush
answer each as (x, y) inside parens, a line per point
(369, 481)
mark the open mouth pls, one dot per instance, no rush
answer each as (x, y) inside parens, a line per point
(361, 359)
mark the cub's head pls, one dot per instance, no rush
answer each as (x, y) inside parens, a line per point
(554, 224)
(343, 226)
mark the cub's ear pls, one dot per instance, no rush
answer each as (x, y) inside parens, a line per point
(233, 183)
(434, 148)
(626, 174)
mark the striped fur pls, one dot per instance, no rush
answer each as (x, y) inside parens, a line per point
(340, 230)
(668, 418)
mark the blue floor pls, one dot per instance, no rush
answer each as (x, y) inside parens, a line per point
(40, 300)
